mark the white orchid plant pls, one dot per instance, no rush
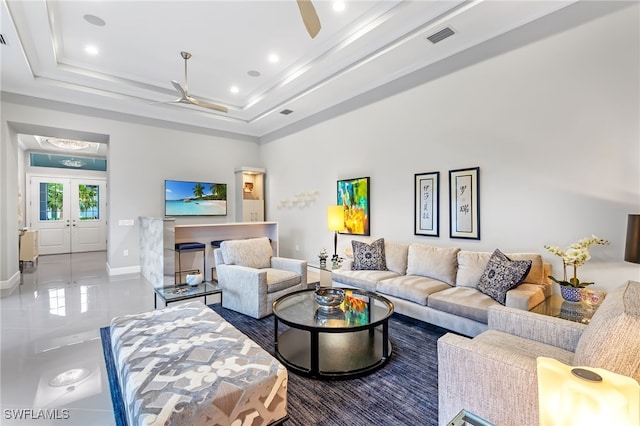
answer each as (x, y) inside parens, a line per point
(575, 255)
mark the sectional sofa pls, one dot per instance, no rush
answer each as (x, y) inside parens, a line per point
(440, 285)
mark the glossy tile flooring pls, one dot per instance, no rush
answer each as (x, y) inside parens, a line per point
(50, 325)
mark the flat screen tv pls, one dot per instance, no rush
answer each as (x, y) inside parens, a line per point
(182, 198)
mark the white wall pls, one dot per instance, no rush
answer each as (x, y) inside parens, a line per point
(553, 126)
(140, 157)
(9, 273)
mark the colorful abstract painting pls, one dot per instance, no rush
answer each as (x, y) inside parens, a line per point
(353, 194)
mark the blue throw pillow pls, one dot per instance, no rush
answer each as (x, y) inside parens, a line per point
(501, 275)
(369, 256)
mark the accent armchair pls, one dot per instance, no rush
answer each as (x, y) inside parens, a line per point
(494, 375)
(251, 278)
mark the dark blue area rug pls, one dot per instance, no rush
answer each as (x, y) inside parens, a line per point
(404, 392)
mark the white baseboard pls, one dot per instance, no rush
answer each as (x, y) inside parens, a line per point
(123, 271)
(7, 286)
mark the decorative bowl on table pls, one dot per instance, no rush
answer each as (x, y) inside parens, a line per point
(593, 298)
(329, 298)
(194, 279)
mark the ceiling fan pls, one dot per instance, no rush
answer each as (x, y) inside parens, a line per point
(309, 17)
(184, 92)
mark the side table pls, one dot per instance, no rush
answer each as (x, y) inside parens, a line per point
(325, 273)
(177, 293)
(556, 306)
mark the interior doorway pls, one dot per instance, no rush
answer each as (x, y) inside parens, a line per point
(69, 213)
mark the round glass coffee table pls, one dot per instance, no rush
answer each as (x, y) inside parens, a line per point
(350, 340)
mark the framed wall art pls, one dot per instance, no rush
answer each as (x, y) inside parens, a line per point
(427, 204)
(464, 198)
(353, 194)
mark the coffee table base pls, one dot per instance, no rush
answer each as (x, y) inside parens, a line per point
(339, 355)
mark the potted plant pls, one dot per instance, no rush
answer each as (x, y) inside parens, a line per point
(575, 255)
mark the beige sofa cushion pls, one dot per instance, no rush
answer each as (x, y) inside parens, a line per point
(612, 338)
(278, 279)
(362, 279)
(252, 252)
(471, 265)
(433, 262)
(396, 255)
(463, 302)
(411, 287)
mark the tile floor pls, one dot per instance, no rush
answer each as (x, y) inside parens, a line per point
(50, 324)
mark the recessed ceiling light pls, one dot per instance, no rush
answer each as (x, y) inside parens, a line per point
(273, 58)
(253, 73)
(94, 20)
(234, 89)
(338, 6)
(91, 50)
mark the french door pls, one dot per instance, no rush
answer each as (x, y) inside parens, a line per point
(69, 214)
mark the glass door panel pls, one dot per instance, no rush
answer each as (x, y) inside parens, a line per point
(89, 229)
(50, 214)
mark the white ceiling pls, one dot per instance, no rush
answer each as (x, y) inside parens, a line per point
(369, 44)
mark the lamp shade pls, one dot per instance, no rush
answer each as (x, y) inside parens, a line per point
(632, 247)
(335, 218)
(565, 398)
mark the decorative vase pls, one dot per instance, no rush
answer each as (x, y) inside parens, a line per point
(571, 294)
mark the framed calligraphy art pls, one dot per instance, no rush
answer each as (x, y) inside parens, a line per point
(464, 197)
(427, 204)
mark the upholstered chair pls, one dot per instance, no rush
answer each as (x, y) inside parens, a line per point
(494, 375)
(251, 278)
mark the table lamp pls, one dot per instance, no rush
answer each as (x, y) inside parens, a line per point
(632, 247)
(335, 223)
(572, 396)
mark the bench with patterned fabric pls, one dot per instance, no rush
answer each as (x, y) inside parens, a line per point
(186, 365)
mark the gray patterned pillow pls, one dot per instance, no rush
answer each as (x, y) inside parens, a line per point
(501, 275)
(369, 256)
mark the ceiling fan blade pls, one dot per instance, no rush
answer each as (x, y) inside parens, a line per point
(181, 91)
(208, 105)
(309, 17)
(184, 92)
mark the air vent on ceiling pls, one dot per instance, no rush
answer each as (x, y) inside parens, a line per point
(440, 35)
(2, 39)
(286, 112)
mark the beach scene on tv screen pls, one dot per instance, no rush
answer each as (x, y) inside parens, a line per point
(195, 198)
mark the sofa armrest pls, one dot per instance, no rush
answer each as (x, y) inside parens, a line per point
(243, 289)
(526, 296)
(287, 264)
(492, 382)
(546, 329)
(293, 265)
